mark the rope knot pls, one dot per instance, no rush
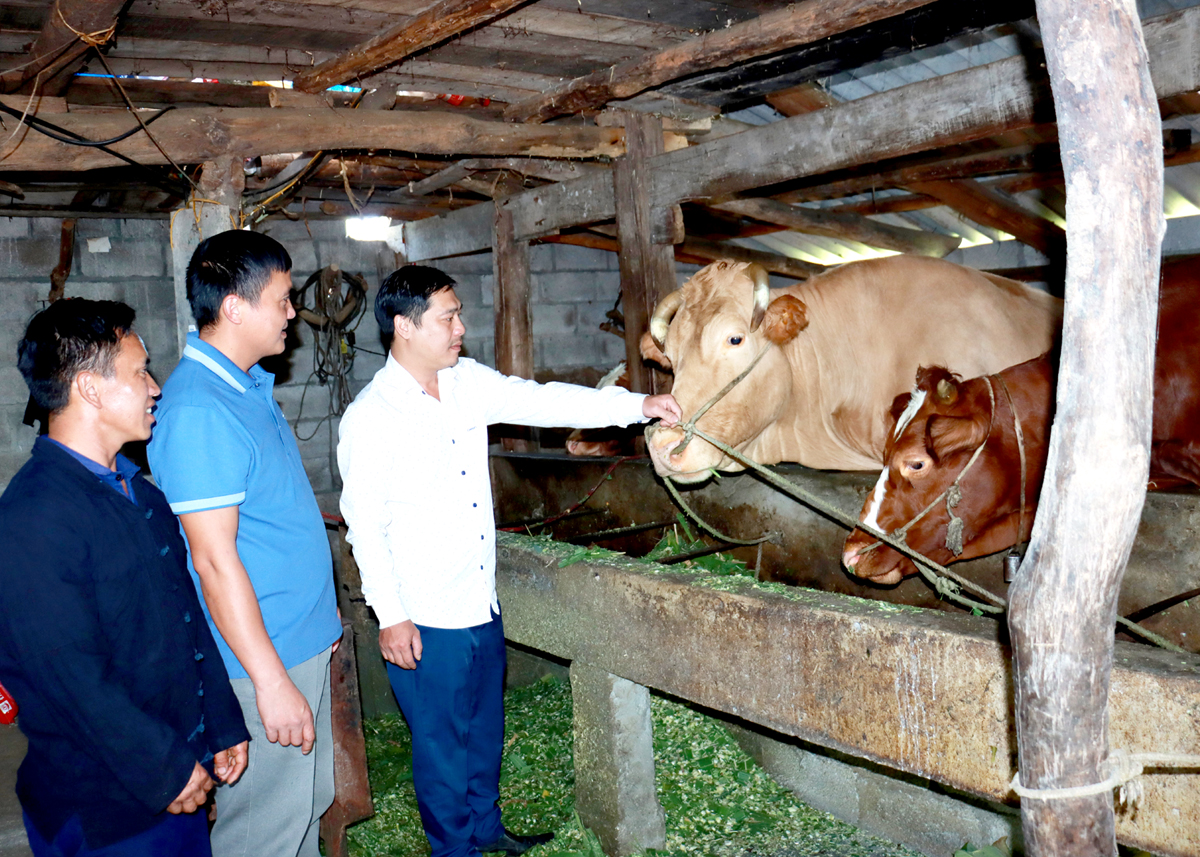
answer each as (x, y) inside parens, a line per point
(954, 529)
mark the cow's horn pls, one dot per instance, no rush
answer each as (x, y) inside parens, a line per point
(762, 293)
(663, 313)
(946, 392)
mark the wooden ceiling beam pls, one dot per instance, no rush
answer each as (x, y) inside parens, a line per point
(844, 227)
(70, 29)
(988, 207)
(798, 24)
(697, 251)
(441, 21)
(196, 135)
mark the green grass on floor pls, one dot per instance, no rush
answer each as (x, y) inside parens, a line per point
(717, 800)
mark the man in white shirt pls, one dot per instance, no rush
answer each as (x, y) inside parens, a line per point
(417, 500)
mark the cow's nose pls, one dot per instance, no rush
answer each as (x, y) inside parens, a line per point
(850, 558)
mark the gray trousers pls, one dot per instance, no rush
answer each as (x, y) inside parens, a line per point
(275, 809)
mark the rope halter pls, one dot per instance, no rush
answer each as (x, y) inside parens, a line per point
(953, 493)
(689, 427)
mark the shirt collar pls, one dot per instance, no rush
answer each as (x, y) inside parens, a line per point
(399, 379)
(224, 368)
(125, 469)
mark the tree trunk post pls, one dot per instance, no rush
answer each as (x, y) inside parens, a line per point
(1063, 602)
(514, 315)
(647, 268)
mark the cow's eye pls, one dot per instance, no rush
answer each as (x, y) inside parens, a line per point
(735, 340)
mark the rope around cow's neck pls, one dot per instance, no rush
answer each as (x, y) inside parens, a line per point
(945, 581)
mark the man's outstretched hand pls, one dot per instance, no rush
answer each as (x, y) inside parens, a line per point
(664, 407)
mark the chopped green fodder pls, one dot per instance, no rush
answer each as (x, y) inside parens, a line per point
(717, 800)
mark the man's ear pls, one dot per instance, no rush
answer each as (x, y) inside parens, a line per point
(402, 326)
(87, 387)
(653, 354)
(231, 308)
(786, 316)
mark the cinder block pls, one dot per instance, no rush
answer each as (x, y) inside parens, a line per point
(96, 227)
(28, 258)
(474, 348)
(554, 319)
(565, 287)
(480, 322)
(589, 316)
(15, 436)
(103, 290)
(126, 259)
(146, 228)
(541, 258)
(565, 351)
(286, 231)
(612, 348)
(21, 300)
(12, 386)
(319, 475)
(487, 290)
(570, 257)
(14, 227)
(468, 289)
(357, 257)
(45, 227)
(158, 297)
(615, 794)
(488, 357)
(473, 263)
(304, 258)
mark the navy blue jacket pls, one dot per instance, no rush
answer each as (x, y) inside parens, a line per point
(104, 647)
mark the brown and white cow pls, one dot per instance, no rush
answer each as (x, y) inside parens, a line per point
(938, 427)
(843, 345)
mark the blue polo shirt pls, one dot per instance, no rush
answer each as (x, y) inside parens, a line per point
(221, 440)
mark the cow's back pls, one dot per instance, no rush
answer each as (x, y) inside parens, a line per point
(873, 323)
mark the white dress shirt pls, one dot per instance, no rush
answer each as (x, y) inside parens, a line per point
(416, 491)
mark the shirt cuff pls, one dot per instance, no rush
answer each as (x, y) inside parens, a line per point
(389, 612)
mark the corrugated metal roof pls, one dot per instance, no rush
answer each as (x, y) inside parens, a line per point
(1182, 183)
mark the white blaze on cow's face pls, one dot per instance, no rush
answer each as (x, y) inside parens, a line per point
(915, 399)
(871, 516)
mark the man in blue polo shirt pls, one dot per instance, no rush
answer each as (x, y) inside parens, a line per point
(228, 463)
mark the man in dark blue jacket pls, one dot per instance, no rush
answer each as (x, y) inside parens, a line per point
(122, 693)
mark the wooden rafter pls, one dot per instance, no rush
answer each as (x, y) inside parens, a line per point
(843, 226)
(196, 135)
(70, 29)
(438, 23)
(798, 24)
(987, 206)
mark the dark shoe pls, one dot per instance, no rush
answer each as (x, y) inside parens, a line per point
(512, 844)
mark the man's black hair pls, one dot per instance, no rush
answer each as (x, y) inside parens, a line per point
(406, 292)
(231, 263)
(70, 336)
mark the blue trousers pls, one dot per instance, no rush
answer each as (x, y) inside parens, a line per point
(184, 835)
(454, 704)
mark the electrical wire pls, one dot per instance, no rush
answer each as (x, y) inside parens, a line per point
(63, 135)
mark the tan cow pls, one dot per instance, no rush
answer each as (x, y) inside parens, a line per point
(841, 347)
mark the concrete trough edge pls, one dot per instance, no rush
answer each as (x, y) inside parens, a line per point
(914, 690)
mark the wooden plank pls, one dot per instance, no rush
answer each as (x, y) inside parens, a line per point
(70, 29)
(1064, 598)
(842, 226)
(647, 268)
(967, 105)
(196, 135)
(986, 206)
(698, 251)
(444, 19)
(514, 312)
(918, 691)
(449, 233)
(805, 98)
(798, 24)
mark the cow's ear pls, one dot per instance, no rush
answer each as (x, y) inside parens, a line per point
(786, 316)
(945, 435)
(653, 354)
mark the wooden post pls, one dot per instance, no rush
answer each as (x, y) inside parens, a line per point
(215, 206)
(514, 317)
(1063, 602)
(647, 268)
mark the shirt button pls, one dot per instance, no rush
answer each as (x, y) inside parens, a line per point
(149, 514)
(199, 656)
(165, 550)
(481, 538)
(464, 473)
(473, 505)
(187, 616)
(200, 692)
